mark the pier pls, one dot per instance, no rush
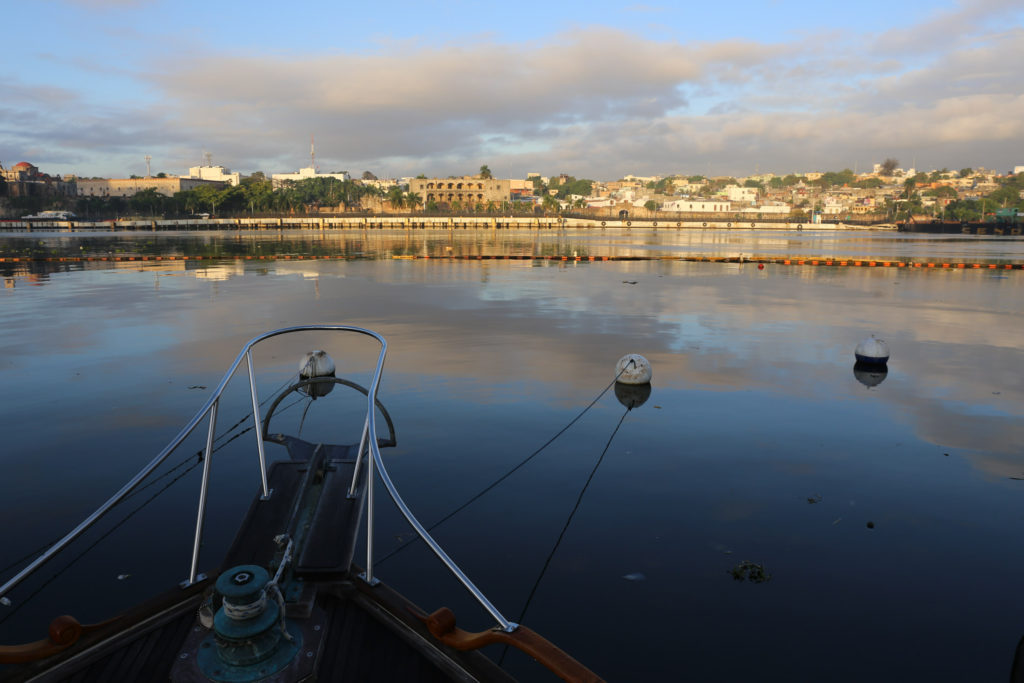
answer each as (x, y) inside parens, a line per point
(420, 223)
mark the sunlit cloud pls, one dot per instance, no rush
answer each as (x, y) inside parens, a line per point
(563, 102)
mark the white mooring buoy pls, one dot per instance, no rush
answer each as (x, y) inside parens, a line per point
(633, 369)
(872, 351)
(317, 364)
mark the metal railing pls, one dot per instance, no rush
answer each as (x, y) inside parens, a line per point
(375, 463)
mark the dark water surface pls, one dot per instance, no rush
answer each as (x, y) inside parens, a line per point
(888, 517)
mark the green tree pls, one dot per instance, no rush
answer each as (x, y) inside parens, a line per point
(485, 172)
(888, 166)
(550, 204)
(941, 191)
(412, 200)
(367, 175)
(651, 205)
(964, 210)
(965, 172)
(147, 201)
(396, 197)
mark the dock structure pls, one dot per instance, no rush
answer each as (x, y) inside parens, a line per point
(418, 223)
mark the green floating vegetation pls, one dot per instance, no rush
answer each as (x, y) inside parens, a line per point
(750, 571)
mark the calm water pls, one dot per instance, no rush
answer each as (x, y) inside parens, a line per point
(888, 517)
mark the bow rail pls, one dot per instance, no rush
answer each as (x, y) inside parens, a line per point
(209, 409)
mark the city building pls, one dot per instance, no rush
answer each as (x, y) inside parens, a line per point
(735, 193)
(465, 190)
(128, 187)
(281, 179)
(696, 206)
(218, 173)
(24, 180)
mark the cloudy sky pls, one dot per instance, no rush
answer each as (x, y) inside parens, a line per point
(595, 89)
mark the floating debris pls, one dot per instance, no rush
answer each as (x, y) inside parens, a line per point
(635, 576)
(750, 571)
(816, 498)
(6, 602)
(122, 577)
(629, 282)
(838, 519)
(198, 386)
(871, 525)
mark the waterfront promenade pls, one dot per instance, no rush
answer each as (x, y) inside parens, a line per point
(419, 223)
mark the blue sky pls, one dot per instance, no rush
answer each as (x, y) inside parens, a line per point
(593, 89)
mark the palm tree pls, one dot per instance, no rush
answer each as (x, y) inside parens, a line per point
(485, 172)
(550, 204)
(396, 197)
(412, 200)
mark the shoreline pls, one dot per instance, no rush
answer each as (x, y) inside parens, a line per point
(418, 223)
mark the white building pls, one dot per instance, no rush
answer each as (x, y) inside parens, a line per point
(735, 193)
(279, 179)
(696, 206)
(779, 208)
(218, 173)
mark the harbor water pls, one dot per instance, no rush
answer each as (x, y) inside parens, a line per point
(767, 512)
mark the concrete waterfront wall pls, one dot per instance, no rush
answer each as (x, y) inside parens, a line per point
(414, 223)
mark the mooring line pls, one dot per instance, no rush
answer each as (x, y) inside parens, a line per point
(505, 476)
(579, 499)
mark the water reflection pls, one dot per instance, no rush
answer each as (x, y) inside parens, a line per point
(755, 415)
(870, 374)
(632, 395)
(99, 248)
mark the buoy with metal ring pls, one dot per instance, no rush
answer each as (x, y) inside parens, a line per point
(633, 369)
(872, 351)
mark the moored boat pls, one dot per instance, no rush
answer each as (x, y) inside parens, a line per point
(288, 602)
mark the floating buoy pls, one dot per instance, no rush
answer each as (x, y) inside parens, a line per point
(760, 266)
(317, 364)
(633, 369)
(872, 351)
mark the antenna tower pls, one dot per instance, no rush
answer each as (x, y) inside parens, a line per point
(148, 158)
(209, 158)
(312, 153)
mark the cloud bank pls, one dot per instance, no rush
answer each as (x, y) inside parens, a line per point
(591, 101)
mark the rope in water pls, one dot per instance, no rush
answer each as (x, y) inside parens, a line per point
(511, 471)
